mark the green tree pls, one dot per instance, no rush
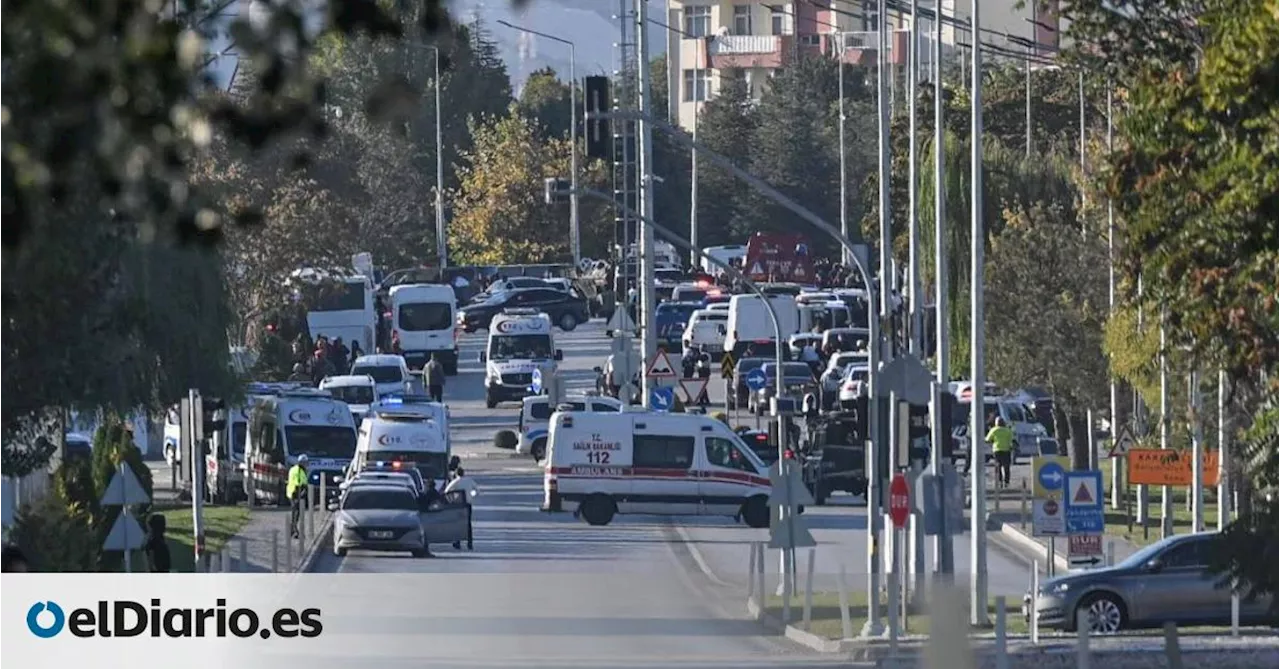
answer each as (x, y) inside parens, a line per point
(502, 216)
(722, 124)
(56, 535)
(546, 100)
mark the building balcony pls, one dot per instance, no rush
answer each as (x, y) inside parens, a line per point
(748, 51)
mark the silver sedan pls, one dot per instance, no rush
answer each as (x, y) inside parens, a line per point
(379, 517)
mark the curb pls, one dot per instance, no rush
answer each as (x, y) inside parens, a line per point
(309, 556)
(1031, 546)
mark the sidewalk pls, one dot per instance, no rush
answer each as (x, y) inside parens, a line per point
(265, 545)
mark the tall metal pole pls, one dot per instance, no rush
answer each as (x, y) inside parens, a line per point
(875, 523)
(1082, 162)
(1224, 499)
(1117, 490)
(1166, 492)
(1197, 452)
(1033, 51)
(648, 344)
(977, 417)
(943, 548)
(1144, 495)
(442, 247)
(844, 171)
(693, 165)
(575, 232)
(915, 341)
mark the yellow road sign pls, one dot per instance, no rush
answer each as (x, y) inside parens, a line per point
(726, 366)
(1048, 475)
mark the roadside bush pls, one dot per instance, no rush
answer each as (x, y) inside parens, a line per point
(73, 482)
(57, 535)
(112, 445)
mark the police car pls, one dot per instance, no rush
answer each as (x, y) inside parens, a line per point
(535, 417)
(520, 342)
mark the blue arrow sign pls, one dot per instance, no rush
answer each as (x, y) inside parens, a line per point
(535, 385)
(662, 399)
(756, 379)
(1051, 476)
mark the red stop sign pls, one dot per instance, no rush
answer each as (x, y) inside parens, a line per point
(899, 501)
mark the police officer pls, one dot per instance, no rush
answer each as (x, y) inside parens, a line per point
(1001, 439)
(296, 491)
(468, 489)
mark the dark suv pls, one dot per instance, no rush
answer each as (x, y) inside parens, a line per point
(566, 310)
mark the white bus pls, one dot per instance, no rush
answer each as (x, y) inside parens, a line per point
(343, 307)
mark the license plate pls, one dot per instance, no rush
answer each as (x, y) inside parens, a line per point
(383, 534)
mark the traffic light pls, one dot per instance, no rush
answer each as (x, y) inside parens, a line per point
(599, 138)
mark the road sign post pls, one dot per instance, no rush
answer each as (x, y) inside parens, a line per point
(787, 529)
(662, 399)
(1082, 503)
(1084, 551)
(124, 491)
(899, 501)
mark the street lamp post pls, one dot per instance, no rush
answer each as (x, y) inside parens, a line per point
(442, 252)
(575, 232)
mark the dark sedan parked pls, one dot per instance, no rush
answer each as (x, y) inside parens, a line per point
(566, 310)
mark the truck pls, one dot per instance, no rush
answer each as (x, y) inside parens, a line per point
(779, 257)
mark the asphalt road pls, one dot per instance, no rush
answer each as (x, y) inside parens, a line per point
(645, 589)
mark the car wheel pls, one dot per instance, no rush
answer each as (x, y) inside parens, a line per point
(539, 450)
(1106, 614)
(568, 322)
(340, 552)
(755, 512)
(598, 510)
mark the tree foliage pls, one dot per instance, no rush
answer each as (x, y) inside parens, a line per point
(502, 215)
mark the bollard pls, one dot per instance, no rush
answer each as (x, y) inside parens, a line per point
(324, 494)
(787, 594)
(1172, 651)
(244, 555)
(288, 554)
(1082, 639)
(846, 625)
(808, 589)
(893, 612)
(311, 528)
(1002, 643)
(751, 574)
(1024, 504)
(275, 551)
(1235, 612)
(1111, 553)
(760, 591)
(1035, 610)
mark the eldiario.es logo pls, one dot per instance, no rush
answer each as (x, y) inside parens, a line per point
(124, 618)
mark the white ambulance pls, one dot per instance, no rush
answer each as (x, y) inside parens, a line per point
(520, 341)
(602, 464)
(389, 435)
(296, 422)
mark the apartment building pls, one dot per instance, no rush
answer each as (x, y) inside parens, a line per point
(759, 36)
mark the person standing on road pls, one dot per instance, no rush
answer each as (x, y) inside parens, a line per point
(296, 491)
(1001, 439)
(468, 490)
(433, 376)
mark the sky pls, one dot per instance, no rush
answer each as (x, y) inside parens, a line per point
(587, 23)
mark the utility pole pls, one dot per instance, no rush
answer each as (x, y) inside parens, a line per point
(575, 232)
(943, 550)
(844, 172)
(1082, 162)
(694, 259)
(1224, 491)
(977, 419)
(915, 344)
(1144, 496)
(1118, 491)
(625, 183)
(648, 344)
(1033, 50)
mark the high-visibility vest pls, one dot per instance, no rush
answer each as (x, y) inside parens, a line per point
(297, 479)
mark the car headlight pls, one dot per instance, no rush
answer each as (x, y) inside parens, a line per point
(1059, 588)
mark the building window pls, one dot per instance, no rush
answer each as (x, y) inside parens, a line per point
(811, 39)
(697, 85)
(742, 19)
(777, 21)
(697, 20)
(870, 21)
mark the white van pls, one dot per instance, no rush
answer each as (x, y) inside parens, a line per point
(357, 390)
(535, 417)
(704, 330)
(729, 254)
(403, 436)
(520, 341)
(421, 405)
(390, 372)
(749, 321)
(424, 317)
(297, 422)
(1030, 437)
(602, 464)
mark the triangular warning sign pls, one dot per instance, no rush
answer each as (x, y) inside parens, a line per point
(660, 367)
(790, 532)
(1083, 496)
(1124, 441)
(756, 269)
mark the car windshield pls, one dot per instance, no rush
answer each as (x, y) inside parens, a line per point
(321, 441)
(411, 472)
(855, 373)
(363, 499)
(695, 294)
(520, 347)
(353, 394)
(426, 316)
(380, 373)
